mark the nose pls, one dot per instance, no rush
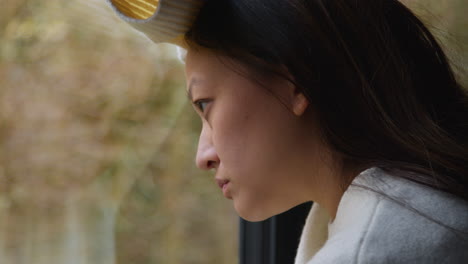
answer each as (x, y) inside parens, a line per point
(207, 158)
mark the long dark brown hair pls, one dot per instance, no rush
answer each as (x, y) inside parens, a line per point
(383, 90)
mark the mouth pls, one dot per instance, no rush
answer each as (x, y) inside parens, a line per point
(224, 184)
(221, 182)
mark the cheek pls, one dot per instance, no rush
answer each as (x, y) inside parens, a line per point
(231, 139)
(252, 141)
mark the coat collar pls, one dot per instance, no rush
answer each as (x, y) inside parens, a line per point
(354, 205)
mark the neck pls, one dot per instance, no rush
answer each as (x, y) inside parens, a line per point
(331, 185)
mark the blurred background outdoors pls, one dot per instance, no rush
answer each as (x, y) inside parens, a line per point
(97, 140)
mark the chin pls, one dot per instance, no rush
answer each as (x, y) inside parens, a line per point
(260, 211)
(252, 214)
(254, 218)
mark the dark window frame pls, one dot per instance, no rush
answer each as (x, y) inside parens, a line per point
(273, 241)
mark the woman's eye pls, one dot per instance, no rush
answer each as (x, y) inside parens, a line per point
(201, 104)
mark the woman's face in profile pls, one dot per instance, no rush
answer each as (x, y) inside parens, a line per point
(263, 153)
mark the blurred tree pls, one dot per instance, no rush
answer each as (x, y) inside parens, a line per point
(89, 110)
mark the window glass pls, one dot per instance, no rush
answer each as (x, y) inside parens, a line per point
(98, 143)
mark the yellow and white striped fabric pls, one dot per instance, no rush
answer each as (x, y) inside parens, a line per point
(159, 20)
(138, 9)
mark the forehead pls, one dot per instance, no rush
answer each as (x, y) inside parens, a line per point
(200, 60)
(211, 69)
(206, 66)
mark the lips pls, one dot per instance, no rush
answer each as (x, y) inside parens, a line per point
(224, 185)
(221, 182)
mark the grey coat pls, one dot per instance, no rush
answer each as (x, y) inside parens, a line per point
(385, 219)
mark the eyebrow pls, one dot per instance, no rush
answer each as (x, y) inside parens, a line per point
(193, 82)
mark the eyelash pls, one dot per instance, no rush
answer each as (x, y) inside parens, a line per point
(199, 103)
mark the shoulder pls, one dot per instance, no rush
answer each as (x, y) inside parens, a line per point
(386, 219)
(411, 201)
